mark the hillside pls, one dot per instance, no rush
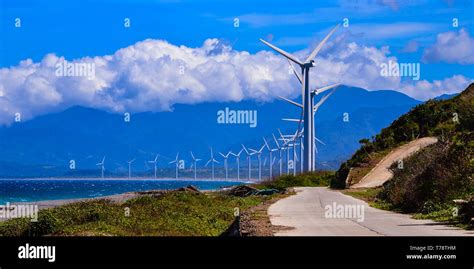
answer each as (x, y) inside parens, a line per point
(430, 179)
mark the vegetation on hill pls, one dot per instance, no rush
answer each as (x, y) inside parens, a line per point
(431, 178)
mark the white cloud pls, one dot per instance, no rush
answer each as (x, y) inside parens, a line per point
(451, 47)
(147, 76)
(424, 89)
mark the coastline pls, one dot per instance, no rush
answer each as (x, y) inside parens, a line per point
(253, 180)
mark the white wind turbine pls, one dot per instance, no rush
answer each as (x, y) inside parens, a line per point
(154, 162)
(176, 164)
(130, 168)
(270, 150)
(226, 167)
(259, 155)
(249, 159)
(286, 145)
(307, 95)
(290, 141)
(280, 149)
(237, 158)
(212, 161)
(102, 166)
(195, 160)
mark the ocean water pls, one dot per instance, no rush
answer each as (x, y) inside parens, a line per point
(27, 190)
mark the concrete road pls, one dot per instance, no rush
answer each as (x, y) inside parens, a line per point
(381, 173)
(304, 214)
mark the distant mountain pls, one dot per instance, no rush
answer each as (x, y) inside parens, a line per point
(44, 146)
(445, 96)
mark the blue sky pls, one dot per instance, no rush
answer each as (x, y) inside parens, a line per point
(75, 29)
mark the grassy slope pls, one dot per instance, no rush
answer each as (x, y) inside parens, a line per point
(433, 177)
(173, 214)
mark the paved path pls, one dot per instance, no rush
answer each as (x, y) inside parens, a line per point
(304, 215)
(381, 173)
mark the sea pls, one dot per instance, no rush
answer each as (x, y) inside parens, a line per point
(29, 190)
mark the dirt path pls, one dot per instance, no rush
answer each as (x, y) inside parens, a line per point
(381, 173)
(305, 214)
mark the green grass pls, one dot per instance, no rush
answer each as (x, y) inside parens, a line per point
(435, 212)
(174, 214)
(370, 196)
(315, 179)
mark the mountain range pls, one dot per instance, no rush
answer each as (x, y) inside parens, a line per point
(44, 146)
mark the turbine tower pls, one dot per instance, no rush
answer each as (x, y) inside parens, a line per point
(130, 168)
(212, 161)
(259, 155)
(249, 159)
(102, 167)
(226, 167)
(280, 149)
(307, 95)
(195, 160)
(176, 164)
(237, 158)
(270, 150)
(154, 162)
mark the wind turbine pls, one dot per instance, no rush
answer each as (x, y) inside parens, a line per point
(130, 168)
(249, 159)
(226, 167)
(212, 161)
(154, 162)
(195, 160)
(102, 166)
(176, 164)
(307, 96)
(280, 152)
(286, 145)
(237, 158)
(270, 150)
(259, 155)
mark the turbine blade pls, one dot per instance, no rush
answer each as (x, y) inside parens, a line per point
(318, 48)
(192, 155)
(323, 89)
(276, 141)
(282, 52)
(316, 107)
(298, 76)
(280, 132)
(246, 151)
(293, 120)
(317, 139)
(291, 102)
(266, 144)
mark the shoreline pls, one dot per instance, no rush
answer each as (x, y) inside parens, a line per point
(115, 198)
(253, 180)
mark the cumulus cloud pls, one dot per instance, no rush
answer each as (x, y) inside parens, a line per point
(154, 75)
(424, 89)
(451, 47)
